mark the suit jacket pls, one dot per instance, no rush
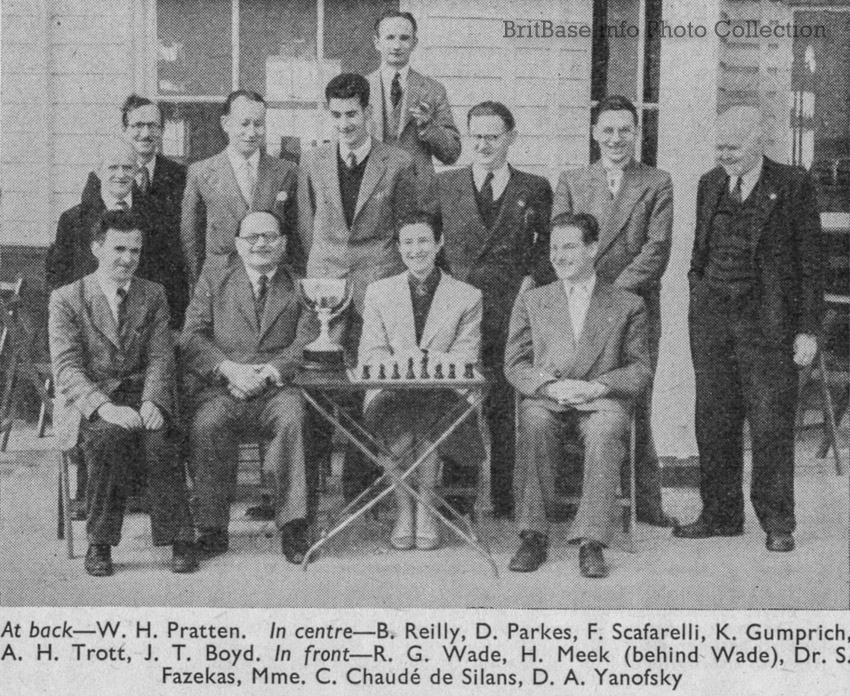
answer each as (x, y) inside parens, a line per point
(440, 138)
(635, 229)
(91, 359)
(221, 324)
(496, 261)
(366, 252)
(787, 246)
(213, 206)
(612, 348)
(162, 257)
(453, 325)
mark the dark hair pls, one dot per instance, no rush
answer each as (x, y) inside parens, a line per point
(348, 85)
(133, 102)
(421, 217)
(492, 108)
(118, 221)
(583, 221)
(616, 102)
(250, 95)
(267, 212)
(389, 14)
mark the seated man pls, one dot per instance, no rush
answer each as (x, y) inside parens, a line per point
(577, 352)
(243, 340)
(421, 313)
(114, 363)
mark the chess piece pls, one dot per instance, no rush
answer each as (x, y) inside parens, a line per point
(396, 373)
(366, 374)
(410, 373)
(468, 372)
(382, 372)
(438, 373)
(452, 374)
(424, 373)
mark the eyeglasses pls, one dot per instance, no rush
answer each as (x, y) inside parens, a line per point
(141, 125)
(488, 138)
(252, 239)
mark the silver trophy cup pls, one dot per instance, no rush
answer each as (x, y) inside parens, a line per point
(328, 298)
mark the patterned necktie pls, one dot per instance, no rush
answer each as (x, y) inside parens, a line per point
(144, 179)
(487, 191)
(736, 192)
(351, 160)
(260, 299)
(395, 90)
(249, 181)
(122, 308)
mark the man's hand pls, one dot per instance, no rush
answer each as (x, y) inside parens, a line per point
(571, 392)
(423, 112)
(805, 347)
(122, 416)
(270, 374)
(152, 417)
(244, 379)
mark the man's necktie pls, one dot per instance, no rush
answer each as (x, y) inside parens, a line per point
(122, 308)
(121, 205)
(612, 185)
(144, 179)
(260, 299)
(736, 192)
(351, 160)
(486, 195)
(250, 181)
(395, 90)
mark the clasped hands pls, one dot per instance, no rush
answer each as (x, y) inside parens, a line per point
(148, 417)
(573, 392)
(247, 381)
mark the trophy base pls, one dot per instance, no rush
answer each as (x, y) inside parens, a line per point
(324, 360)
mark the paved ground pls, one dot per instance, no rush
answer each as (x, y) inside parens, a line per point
(362, 571)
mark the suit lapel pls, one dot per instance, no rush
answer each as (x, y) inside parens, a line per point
(558, 312)
(628, 195)
(276, 301)
(375, 167)
(98, 308)
(404, 329)
(765, 201)
(714, 191)
(244, 298)
(412, 96)
(597, 324)
(136, 313)
(329, 176)
(466, 204)
(509, 200)
(376, 89)
(263, 183)
(437, 313)
(227, 184)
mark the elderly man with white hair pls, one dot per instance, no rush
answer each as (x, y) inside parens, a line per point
(755, 311)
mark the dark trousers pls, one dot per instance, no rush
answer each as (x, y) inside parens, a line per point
(499, 411)
(741, 374)
(111, 454)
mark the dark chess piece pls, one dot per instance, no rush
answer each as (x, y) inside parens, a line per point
(424, 373)
(468, 372)
(452, 374)
(382, 372)
(366, 373)
(410, 374)
(396, 373)
(438, 373)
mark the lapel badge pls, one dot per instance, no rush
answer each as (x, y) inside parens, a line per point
(520, 203)
(772, 196)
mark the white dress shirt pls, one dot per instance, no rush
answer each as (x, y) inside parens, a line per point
(748, 180)
(110, 290)
(247, 181)
(578, 298)
(360, 154)
(387, 75)
(614, 177)
(500, 179)
(111, 202)
(254, 277)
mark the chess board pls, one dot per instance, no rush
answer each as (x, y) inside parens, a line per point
(398, 375)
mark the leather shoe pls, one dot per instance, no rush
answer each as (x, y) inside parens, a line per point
(184, 558)
(591, 562)
(659, 520)
(780, 541)
(99, 560)
(213, 541)
(700, 529)
(262, 512)
(293, 541)
(531, 553)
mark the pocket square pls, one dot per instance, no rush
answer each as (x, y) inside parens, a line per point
(282, 197)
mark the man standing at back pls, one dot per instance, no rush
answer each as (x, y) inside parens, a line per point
(222, 189)
(410, 110)
(634, 206)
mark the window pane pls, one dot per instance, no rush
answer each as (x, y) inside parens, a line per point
(277, 41)
(192, 131)
(195, 55)
(649, 147)
(622, 23)
(349, 28)
(652, 53)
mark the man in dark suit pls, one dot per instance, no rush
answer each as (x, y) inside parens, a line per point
(243, 340)
(577, 353)
(410, 110)
(756, 304)
(495, 221)
(155, 199)
(634, 206)
(222, 189)
(114, 364)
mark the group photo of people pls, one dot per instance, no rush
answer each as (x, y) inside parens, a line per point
(179, 328)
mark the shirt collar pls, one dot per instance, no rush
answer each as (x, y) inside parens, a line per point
(388, 73)
(749, 179)
(361, 153)
(254, 275)
(111, 202)
(430, 283)
(150, 165)
(612, 168)
(500, 176)
(110, 287)
(237, 160)
(584, 287)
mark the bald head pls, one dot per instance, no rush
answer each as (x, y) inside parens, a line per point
(117, 167)
(740, 139)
